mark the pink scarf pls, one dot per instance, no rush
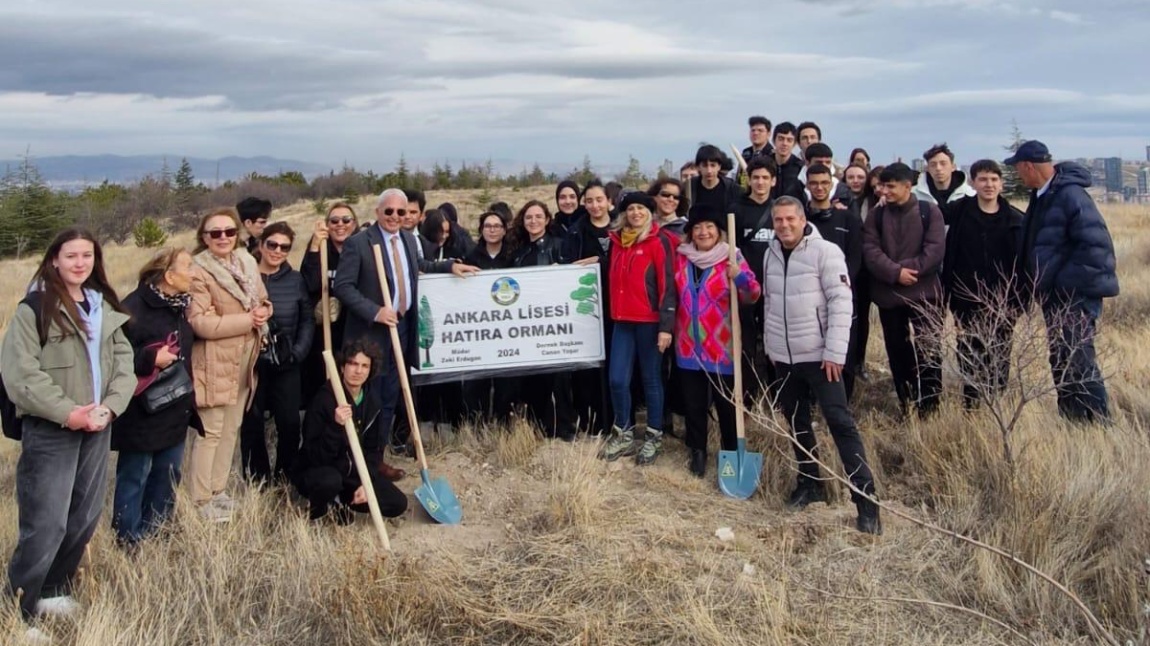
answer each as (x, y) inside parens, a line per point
(705, 259)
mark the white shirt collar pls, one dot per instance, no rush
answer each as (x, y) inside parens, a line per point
(1046, 186)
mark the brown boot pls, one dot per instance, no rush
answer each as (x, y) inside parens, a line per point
(390, 473)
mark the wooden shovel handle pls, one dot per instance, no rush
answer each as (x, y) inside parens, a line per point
(736, 331)
(325, 295)
(401, 367)
(357, 452)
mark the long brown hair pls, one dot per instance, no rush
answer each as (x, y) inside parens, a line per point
(517, 236)
(55, 293)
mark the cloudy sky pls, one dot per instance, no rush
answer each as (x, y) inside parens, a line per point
(525, 80)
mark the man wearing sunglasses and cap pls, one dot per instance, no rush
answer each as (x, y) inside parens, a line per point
(1068, 259)
(357, 288)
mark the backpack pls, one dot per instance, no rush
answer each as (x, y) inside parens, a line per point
(13, 425)
(923, 211)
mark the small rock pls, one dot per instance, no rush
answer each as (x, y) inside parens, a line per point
(725, 534)
(748, 569)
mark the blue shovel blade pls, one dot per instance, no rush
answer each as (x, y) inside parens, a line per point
(739, 472)
(438, 499)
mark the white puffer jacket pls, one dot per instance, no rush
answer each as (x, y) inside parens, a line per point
(807, 302)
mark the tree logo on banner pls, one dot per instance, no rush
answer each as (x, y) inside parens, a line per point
(587, 294)
(505, 291)
(426, 331)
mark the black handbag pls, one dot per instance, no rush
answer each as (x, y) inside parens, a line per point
(171, 384)
(276, 350)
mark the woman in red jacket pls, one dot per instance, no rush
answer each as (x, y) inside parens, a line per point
(642, 301)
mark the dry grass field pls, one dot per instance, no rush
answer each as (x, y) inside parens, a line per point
(557, 547)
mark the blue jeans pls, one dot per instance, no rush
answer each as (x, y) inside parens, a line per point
(628, 341)
(145, 491)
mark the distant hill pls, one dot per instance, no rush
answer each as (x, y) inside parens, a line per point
(77, 171)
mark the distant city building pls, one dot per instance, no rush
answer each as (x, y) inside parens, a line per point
(918, 165)
(1148, 153)
(1144, 180)
(1113, 174)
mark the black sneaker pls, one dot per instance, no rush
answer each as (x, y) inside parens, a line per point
(804, 495)
(868, 521)
(699, 463)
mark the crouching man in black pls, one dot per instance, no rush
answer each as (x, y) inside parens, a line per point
(326, 472)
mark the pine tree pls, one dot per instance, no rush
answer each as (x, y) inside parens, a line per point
(426, 330)
(30, 212)
(185, 187)
(1012, 187)
(402, 175)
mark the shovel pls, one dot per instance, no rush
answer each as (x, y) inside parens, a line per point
(357, 452)
(325, 295)
(435, 495)
(738, 470)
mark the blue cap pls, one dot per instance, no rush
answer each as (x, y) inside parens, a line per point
(1030, 151)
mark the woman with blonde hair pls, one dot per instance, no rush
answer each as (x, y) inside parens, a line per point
(150, 435)
(643, 301)
(67, 368)
(229, 312)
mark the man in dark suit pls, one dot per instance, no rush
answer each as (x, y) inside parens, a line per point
(357, 288)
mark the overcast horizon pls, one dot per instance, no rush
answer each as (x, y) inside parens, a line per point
(360, 83)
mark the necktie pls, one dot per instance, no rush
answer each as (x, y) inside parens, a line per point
(400, 286)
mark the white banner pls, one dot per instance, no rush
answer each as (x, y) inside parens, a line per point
(510, 318)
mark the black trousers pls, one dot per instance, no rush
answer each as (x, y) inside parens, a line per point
(1070, 332)
(278, 391)
(548, 401)
(983, 355)
(392, 410)
(488, 399)
(799, 381)
(916, 366)
(323, 486)
(699, 391)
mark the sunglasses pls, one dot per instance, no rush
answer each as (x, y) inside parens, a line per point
(278, 246)
(671, 196)
(390, 211)
(344, 220)
(216, 234)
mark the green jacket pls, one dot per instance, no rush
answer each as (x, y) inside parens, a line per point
(49, 381)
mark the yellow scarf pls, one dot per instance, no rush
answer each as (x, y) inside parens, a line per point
(628, 236)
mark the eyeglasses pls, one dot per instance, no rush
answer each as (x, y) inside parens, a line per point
(278, 246)
(344, 220)
(671, 196)
(390, 211)
(216, 234)
(494, 227)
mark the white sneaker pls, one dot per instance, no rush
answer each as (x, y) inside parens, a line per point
(37, 637)
(214, 514)
(64, 606)
(223, 501)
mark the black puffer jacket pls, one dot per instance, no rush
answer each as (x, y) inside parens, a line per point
(292, 309)
(153, 321)
(1066, 245)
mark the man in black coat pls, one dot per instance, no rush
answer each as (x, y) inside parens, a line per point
(841, 225)
(357, 288)
(1068, 258)
(980, 281)
(787, 180)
